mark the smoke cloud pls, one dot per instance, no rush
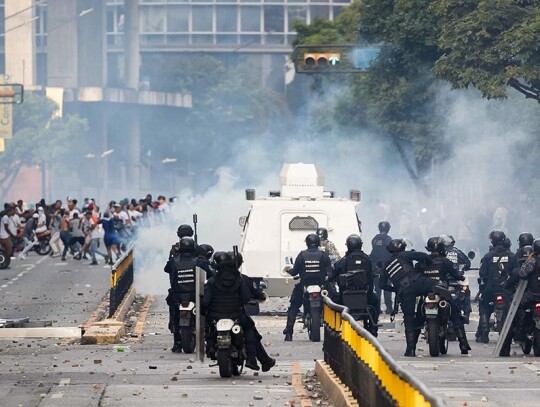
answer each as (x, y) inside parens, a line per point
(472, 192)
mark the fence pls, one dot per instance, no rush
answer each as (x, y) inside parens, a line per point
(121, 279)
(362, 364)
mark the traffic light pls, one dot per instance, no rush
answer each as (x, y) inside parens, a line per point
(337, 58)
(322, 59)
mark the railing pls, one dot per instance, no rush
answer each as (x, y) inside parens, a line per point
(121, 279)
(363, 365)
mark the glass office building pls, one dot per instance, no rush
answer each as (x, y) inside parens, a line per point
(219, 24)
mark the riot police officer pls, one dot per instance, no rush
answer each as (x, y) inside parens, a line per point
(181, 270)
(327, 246)
(182, 231)
(529, 271)
(408, 283)
(204, 254)
(495, 268)
(380, 255)
(358, 268)
(225, 294)
(313, 266)
(461, 264)
(258, 294)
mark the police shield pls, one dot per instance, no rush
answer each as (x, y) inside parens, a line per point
(199, 318)
(522, 285)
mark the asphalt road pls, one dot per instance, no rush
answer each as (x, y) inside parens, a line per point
(49, 372)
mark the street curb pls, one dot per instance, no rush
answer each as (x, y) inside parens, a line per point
(110, 330)
(339, 394)
(298, 386)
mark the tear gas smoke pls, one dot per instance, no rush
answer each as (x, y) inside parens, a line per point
(471, 192)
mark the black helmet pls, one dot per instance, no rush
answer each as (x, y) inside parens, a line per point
(239, 259)
(354, 242)
(205, 250)
(184, 231)
(312, 240)
(525, 239)
(322, 233)
(384, 226)
(186, 245)
(396, 245)
(536, 246)
(222, 259)
(436, 244)
(507, 243)
(525, 251)
(497, 237)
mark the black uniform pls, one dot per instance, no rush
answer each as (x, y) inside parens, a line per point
(530, 271)
(313, 266)
(356, 271)
(409, 283)
(461, 263)
(181, 270)
(495, 268)
(380, 255)
(256, 293)
(225, 295)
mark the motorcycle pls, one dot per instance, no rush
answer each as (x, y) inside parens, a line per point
(498, 312)
(436, 312)
(312, 310)
(5, 260)
(186, 313)
(230, 347)
(459, 291)
(356, 300)
(532, 334)
(41, 247)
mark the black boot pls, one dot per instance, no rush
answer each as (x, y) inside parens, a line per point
(267, 362)
(410, 337)
(288, 331)
(483, 329)
(177, 347)
(462, 338)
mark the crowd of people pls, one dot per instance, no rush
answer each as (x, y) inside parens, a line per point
(77, 229)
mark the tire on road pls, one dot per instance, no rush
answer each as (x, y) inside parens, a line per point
(187, 340)
(224, 363)
(433, 337)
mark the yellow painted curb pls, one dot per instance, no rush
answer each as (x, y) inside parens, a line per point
(339, 394)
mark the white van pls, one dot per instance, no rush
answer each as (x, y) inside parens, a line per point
(277, 225)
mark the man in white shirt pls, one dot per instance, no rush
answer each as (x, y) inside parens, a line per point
(42, 221)
(8, 230)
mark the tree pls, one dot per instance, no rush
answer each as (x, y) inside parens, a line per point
(490, 44)
(40, 138)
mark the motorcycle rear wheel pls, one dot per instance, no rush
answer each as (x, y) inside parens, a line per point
(224, 363)
(315, 326)
(433, 337)
(4, 260)
(187, 340)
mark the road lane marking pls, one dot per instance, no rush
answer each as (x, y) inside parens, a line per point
(64, 382)
(57, 395)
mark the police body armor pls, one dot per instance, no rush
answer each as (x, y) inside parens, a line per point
(226, 301)
(533, 285)
(396, 271)
(452, 255)
(356, 273)
(498, 268)
(183, 279)
(435, 269)
(312, 273)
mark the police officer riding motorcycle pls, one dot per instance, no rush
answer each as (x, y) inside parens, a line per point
(495, 268)
(313, 266)
(354, 276)
(181, 270)
(408, 283)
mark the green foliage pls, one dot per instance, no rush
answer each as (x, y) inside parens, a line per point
(486, 43)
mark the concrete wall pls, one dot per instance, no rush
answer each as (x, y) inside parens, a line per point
(19, 42)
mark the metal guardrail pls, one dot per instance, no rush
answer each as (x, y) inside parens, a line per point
(362, 364)
(121, 279)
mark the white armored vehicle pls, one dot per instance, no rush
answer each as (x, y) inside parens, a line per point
(277, 225)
